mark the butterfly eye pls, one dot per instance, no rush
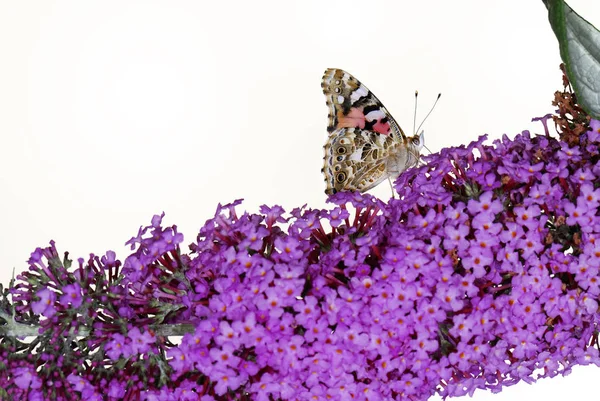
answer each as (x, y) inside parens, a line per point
(341, 177)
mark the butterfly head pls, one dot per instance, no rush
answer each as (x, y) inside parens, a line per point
(418, 141)
(415, 144)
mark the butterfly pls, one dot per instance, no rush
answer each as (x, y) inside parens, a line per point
(365, 145)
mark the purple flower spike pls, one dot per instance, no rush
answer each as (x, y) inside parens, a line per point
(483, 273)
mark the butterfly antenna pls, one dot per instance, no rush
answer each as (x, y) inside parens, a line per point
(427, 149)
(432, 107)
(415, 116)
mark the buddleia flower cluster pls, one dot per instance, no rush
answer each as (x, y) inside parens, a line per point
(482, 273)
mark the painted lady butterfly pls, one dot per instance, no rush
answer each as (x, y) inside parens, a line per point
(365, 144)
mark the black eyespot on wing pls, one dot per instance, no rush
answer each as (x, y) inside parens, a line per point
(340, 177)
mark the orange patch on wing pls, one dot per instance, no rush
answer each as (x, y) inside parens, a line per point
(354, 119)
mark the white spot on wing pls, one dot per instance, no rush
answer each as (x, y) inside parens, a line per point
(340, 99)
(357, 94)
(356, 156)
(374, 115)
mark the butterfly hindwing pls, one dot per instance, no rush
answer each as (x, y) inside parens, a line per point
(355, 159)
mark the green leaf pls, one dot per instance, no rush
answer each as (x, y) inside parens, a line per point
(579, 43)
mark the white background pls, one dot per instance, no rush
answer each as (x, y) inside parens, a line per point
(113, 111)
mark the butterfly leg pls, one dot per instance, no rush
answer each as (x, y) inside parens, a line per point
(392, 188)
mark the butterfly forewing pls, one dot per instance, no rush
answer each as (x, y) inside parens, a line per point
(352, 105)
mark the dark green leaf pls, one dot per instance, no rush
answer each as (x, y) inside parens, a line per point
(579, 43)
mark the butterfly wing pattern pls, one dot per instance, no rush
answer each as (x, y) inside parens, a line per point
(365, 144)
